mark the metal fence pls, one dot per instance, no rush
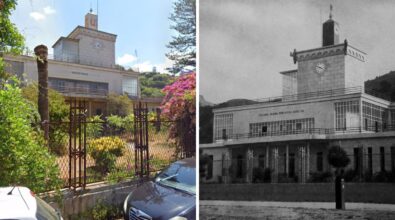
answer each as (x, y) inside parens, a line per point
(113, 165)
(367, 167)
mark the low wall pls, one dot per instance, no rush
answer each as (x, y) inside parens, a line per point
(313, 192)
(75, 202)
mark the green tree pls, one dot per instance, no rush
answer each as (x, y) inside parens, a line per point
(183, 45)
(338, 158)
(119, 105)
(11, 41)
(25, 161)
(58, 111)
(206, 124)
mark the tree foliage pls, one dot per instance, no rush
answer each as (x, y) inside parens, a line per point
(11, 41)
(26, 160)
(119, 105)
(183, 45)
(179, 106)
(206, 124)
(152, 83)
(58, 111)
(337, 157)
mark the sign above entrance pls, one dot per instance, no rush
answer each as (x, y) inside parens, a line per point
(280, 113)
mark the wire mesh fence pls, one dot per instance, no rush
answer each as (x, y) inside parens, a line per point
(110, 151)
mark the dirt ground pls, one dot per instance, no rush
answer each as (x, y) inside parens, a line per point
(259, 212)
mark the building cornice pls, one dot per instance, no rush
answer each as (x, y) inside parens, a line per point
(327, 51)
(32, 59)
(92, 33)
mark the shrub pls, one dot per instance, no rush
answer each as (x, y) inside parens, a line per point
(25, 160)
(321, 177)
(337, 157)
(119, 105)
(261, 175)
(95, 127)
(105, 151)
(58, 111)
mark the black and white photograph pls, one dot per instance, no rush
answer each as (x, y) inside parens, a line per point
(296, 109)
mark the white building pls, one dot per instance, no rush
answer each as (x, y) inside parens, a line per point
(324, 104)
(83, 67)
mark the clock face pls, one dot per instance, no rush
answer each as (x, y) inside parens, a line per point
(320, 68)
(98, 45)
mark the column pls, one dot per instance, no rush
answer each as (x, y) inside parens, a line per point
(226, 166)
(308, 161)
(302, 164)
(267, 157)
(287, 160)
(274, 176)
(250, 165)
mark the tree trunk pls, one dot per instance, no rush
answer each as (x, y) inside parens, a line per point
(41, 52)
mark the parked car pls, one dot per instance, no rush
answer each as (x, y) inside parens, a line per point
(20, 203)
(172, 195)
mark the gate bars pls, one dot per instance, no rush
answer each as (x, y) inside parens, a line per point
(77, 144)
(141, 156)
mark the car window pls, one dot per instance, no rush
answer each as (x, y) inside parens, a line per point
(45, 211)
(181, 177)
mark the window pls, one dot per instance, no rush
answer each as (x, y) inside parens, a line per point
(298, 126)
(356, 159)
(393, 159)
(320, 161)
(382, 159)
(370, 160)
(264, 129)
(280, 127)
(374, 116)
(224, 134)
(291, 165)
(221, 122)
(210, 167)
(261, 161)
(347, 114)
(239, 166)
(129, 85)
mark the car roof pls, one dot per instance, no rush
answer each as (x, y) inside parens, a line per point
(21, 204)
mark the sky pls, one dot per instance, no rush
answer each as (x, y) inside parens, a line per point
(142, 27)
(244, 45)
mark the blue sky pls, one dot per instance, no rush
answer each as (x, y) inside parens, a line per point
(141, 26)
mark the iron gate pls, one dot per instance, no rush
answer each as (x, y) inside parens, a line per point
(77, 144)
(141, 140)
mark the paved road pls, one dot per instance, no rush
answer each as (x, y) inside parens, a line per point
(293, 210)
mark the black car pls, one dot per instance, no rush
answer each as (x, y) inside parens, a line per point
(172, 195)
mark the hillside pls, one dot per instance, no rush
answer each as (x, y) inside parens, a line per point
(152, 83)
(384, 85)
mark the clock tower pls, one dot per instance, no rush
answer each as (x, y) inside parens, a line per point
(335, 65)
(330, 31)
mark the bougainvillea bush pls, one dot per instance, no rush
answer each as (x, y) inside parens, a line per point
(179, 105)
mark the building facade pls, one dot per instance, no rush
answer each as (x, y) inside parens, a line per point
(82, 67)
(324, 104)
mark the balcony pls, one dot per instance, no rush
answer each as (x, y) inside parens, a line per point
(322, 133)
(307, 96)
(82, 91)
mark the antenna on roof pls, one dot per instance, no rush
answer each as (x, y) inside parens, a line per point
(10, 192)
(97, 13)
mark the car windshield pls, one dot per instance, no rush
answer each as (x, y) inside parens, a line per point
(179, 176)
